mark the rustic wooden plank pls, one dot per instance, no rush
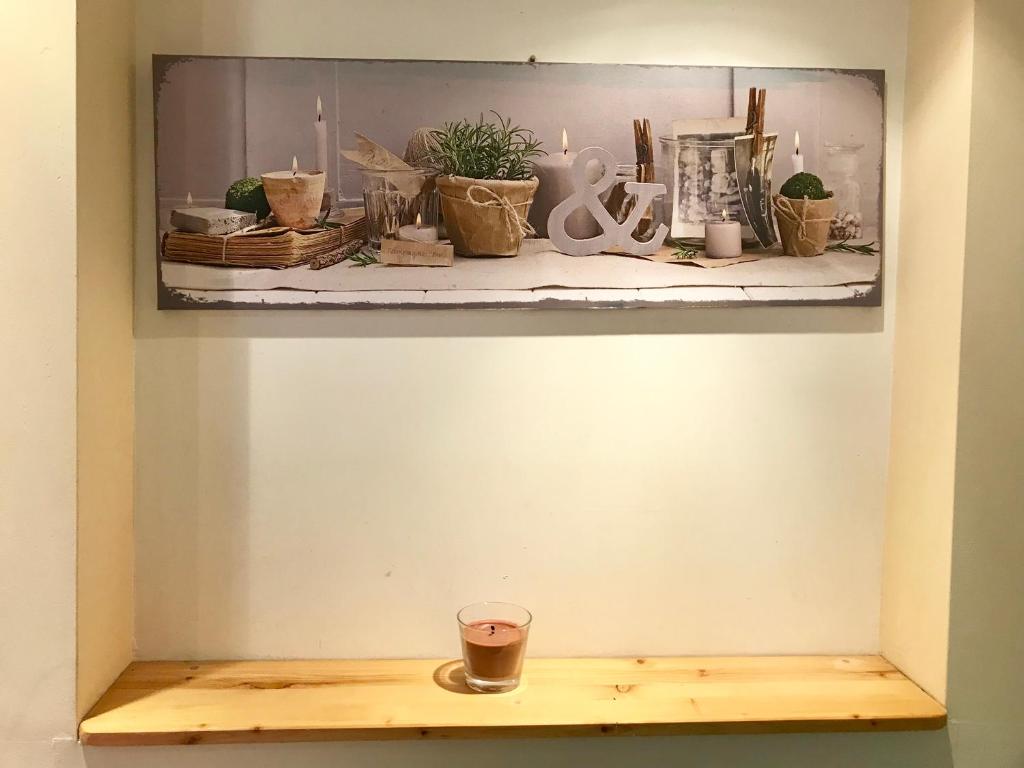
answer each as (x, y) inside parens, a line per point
(694, 295)
(216, 702)
(536, 267)
(815, 295)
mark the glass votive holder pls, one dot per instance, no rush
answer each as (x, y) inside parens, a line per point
(493, 645)
(392, 199)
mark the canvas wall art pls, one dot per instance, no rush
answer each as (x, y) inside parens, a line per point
(311, 183)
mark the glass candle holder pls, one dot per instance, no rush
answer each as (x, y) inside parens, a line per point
(393, 199)
(493, 645)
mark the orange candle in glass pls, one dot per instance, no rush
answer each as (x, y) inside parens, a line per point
(494, 639)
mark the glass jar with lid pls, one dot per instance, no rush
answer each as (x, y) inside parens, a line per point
(841, 169)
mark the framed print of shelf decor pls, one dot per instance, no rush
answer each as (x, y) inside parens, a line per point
(322, 183)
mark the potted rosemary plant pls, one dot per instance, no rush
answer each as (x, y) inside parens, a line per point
(486, 182)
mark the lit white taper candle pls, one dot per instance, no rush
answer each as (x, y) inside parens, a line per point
(320, 128)
(798, 159)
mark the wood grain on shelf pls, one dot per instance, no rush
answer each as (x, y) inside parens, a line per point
(216, 702)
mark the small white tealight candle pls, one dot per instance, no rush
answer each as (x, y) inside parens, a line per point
(417, 233)
(723, 239)
(797, 158)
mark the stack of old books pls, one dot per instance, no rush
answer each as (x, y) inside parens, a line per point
(273, 247)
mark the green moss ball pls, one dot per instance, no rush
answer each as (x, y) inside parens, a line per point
(804, 185)
(248, 195)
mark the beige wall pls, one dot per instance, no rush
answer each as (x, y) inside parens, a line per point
(105, 57)
(37, 382)
(284, 468)
(65, 428)
(302, 477)
(38, 425)
(915, 597)
(987, 628)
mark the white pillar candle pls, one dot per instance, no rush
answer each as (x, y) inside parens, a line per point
(417, 233)
(722, 239)
(555, 174)
(797, 158)
(320, 129)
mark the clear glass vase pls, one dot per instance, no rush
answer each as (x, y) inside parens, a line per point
(700, 175)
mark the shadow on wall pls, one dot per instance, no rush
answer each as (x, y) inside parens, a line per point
(893, 750)
(205, 534)
(160, 324)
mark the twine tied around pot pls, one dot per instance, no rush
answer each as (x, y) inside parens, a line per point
(785, 206)
(517, 226)
(804, 224)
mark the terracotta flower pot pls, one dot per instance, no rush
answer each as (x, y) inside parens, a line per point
(295, 197)
(486, 217)
(804, 224)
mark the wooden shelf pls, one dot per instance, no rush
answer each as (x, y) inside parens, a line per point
(155, 703)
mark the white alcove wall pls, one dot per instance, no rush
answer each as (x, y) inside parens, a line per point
(195, 340)
(710, 481)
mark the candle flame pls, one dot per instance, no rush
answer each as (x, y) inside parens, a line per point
(295, 165)
(565, 141)
(725, 214)
(419, 221)
(319, 109)
(188, 200)
(798, 142)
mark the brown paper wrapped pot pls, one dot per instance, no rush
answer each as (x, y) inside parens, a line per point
(804, 224)
(486, 222)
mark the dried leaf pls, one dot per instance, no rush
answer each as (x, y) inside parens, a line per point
(372, 156)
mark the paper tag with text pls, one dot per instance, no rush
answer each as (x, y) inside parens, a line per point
(404, 253)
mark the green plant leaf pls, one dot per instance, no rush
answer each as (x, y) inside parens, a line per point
(484, 150)
(844, 246)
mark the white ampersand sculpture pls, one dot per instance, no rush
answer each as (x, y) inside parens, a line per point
(614, 235)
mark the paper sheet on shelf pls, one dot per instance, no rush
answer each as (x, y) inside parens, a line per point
(667, 255)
